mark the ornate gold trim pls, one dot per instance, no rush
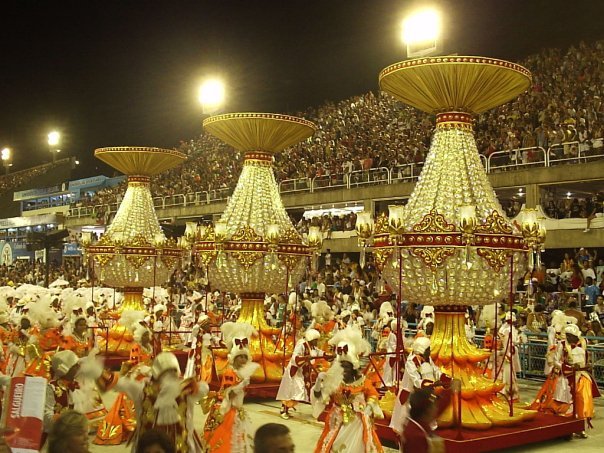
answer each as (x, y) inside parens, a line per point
(496, 258)
(433, 257)
(494, 223)
(433, 222)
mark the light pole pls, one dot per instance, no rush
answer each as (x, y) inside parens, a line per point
(211, 96)
(54, 139)
(7, 159)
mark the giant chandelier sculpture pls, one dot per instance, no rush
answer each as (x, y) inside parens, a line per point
(134, 253)
(254, 249)
(453, 240)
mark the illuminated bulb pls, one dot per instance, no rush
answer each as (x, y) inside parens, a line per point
(423, 26)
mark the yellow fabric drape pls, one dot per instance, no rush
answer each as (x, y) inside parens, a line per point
(259, 131)
(472, 87)
(137, 160)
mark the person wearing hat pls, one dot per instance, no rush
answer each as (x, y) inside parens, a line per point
(60, 389)
(296, 380)
(349, 397)
(199, 362)
(20, 352)
(575, 368)
(227, 427)
(158, 327)
(165, 403)
(508, 358)
(554, 396)
(420, 372)
(120, 421)
(80, 341)
(343, 321)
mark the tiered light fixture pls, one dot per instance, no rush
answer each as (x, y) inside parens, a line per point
(134, 253)
(254, 249)
(452, 245)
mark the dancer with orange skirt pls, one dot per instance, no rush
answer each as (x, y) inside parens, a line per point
(555, 394)
(227, 426)
(576, 369)
(120, 422)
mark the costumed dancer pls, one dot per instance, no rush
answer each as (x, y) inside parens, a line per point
(166, 403)
(349, 398)
(555, 393)
(120, 422)
(81, 342)
(389, 372)
(385, 316)
(227, 426)
(6, 336)
(45, 341)
(61, 392)
(420, 372)
(576, 368)
(20, 351)
(323, 321)
(158, 327)
(508, 353)
(426, 318)
(199, 362)
(296, 381)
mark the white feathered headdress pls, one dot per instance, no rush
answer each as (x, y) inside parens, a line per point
(321, 311)
(386, 310)
(350, 346)
(41, 312)
(237, 336)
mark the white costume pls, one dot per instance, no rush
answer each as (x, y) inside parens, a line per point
(166, 403)
(295, 383)
(419, 373)
(509, 353)
(350, 406)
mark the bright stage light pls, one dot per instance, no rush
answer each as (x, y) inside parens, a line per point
(5, 154)
(421, 33)
(422, 26)
(53, 138)
(211, 95)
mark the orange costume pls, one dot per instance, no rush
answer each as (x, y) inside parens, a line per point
(120, 422)
(48, 341)
(348, 417)
(225, 427)
(350, 406)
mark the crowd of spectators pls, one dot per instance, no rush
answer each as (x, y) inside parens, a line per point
(24, 271)
(12, 181)
(369, 131)
(328, 223)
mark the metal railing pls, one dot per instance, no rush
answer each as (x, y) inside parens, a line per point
(517, 159)
(569, 152)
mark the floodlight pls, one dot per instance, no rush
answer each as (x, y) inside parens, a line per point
(211, 95)
(54, 138)
(422, 33)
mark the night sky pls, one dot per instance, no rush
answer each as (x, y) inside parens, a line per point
(126, 73)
